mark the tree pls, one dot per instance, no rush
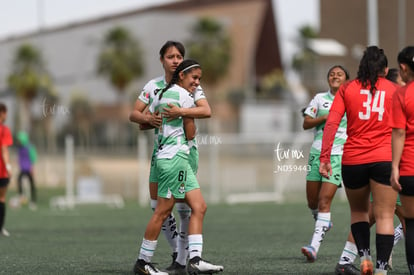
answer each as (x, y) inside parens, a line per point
(120, 59)
(306, 56)
(121, 62)
(81, 119)
(27, 79)
(304, 62)
(210, 46)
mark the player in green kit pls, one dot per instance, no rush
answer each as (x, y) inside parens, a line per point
(321, 191)
(171, 55)
(176, 179)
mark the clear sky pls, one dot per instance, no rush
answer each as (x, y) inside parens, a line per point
(21, 16)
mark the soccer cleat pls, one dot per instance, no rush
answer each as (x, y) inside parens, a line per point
(367, 268)
(5, 233)
(346, 269)
(176, 269)
(197, 265)
(143, 268)
(32, 206)
(309, 253)
(174, 257)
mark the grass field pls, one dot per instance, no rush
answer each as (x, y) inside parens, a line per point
(260, 238)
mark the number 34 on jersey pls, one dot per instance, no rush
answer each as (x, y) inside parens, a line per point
(377, 105)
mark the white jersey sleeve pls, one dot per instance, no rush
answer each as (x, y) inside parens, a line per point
(312, 109)
(150, 89)
(188, 100)
(198, 94)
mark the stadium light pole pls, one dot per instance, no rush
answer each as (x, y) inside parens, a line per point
(372, 17)
(401, 23)
(40, 14)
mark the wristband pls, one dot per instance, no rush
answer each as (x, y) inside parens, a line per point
(8, 167)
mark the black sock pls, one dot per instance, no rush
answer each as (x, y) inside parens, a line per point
(409, 244)
(2, 214)
(384, 245)
(361, 233)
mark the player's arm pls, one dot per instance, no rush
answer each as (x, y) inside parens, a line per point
(336, 113)
(310, 122)
(397, 143)
(202, 110)
(6, 158)
(189, 128)
(145, 119)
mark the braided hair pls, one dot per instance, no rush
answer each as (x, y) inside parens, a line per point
(186, 66)
(372, 64)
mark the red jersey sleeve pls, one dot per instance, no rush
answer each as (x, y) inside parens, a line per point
(398, 118)
(336, 113)
(6, 138)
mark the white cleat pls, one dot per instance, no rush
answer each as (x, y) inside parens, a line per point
(197, 265)
(5, 233)
(143, 268)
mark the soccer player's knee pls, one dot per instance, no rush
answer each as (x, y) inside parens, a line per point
(199, 209)
(203, 208)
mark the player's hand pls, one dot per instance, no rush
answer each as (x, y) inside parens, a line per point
(9, 170)
(171, 112)
(145, 126)
(325, 169)
(155, 119)
(395, 184)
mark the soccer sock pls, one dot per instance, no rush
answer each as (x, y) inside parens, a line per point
(195, 245)
(321, 227)
(349, 253)
(2, 214)
(315, 213)
(381, 271)
(384, 244)
(409, 244)
(147, 250)
(169, 228)
(398, 234)
(361, 233)
(184, 212)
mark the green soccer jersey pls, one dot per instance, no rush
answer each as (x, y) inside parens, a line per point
(147, 96)
(171, 135)
(319, 106)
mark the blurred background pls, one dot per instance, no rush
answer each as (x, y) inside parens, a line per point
(263, 60)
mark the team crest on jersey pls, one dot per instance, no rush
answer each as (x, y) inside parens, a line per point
(313, 110)
(181, 190)
(146, 94)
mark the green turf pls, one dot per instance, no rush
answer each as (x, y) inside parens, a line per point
(260, 238)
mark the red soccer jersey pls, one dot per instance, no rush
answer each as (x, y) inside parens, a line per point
(402, 117)
(369, 134)
(5, 140)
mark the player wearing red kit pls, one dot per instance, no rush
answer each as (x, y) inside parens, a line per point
(402, 122)
(369, 136)
(366, 161)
